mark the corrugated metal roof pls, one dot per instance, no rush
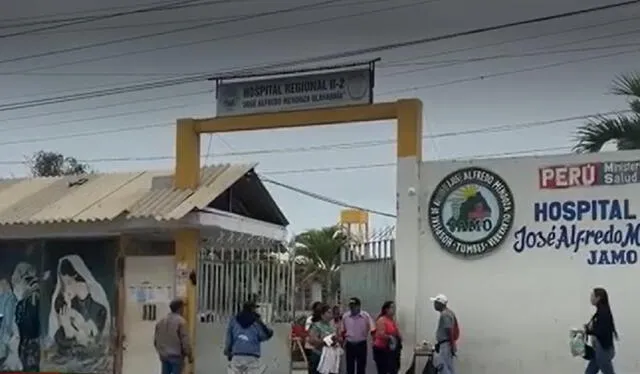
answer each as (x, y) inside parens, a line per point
(100, 197)
(214, 182)
(157, 203)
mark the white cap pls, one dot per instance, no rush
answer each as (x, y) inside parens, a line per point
(442, 299)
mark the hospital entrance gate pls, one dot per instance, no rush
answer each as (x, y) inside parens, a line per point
(367, 271)
(233, 269)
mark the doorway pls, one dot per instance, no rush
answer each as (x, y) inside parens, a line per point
(149, 283)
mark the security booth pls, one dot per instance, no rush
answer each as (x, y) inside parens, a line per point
(88, 264)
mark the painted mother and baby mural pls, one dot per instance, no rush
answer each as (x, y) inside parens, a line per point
(56, 307)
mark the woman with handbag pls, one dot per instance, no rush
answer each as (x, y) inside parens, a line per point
(601, 330)
(387, 341)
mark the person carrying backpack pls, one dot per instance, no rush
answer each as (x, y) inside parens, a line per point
(447, 335)
(245, 333)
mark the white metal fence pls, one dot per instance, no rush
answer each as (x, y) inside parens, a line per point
(234, 270)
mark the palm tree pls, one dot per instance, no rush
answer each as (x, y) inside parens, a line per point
(624, 129)
(318, 251)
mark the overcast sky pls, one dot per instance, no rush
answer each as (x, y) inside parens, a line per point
(541, 72)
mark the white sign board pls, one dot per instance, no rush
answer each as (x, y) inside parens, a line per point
(311, 91)
(518, 245)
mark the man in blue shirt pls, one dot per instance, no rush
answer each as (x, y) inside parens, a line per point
(245, 333)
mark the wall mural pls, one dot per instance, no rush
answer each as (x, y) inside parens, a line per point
(78, 305)
(20, 281)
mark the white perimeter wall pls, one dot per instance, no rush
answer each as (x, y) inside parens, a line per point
(516, 309)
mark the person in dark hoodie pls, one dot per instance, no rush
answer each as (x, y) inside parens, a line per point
(245, 333)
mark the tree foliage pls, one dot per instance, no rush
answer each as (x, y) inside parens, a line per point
(624, 129)
(52, 164)
(319, 251)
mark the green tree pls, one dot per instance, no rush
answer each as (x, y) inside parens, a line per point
(52, 164)
(624, 129)
(318, 251)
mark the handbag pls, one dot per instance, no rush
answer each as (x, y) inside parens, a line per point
(589, 351)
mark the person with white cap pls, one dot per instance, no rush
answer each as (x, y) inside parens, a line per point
(447, 334)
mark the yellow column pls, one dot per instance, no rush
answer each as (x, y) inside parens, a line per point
(187, 241)
(187, 155)
(410, 128)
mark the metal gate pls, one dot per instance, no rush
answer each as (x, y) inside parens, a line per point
(367, 271)
(235, 268)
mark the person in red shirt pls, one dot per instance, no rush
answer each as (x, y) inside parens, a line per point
(298, 330)
(387, 341)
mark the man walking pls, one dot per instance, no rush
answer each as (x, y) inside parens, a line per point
(171, 340)
(356, 328)
(447, 334)
(245, 333)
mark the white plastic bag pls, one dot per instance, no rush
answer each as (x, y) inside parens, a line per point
(577, 342)
(329, 360)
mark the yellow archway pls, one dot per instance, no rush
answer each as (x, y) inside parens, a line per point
(407, 112)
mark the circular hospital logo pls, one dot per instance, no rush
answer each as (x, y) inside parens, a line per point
(357, 85)
(471, 212)
(229, 95)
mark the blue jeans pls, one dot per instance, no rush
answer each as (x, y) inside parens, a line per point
(602, 361)
(443, 360)
(172, 366)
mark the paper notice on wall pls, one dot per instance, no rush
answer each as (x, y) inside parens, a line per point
(149, 291)
(182, 269)
(163, 294)
(170, 292)
(181, 290)
(182, 275)
(141, 295)
(132, 294)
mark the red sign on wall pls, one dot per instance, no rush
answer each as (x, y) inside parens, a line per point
(567, 176)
